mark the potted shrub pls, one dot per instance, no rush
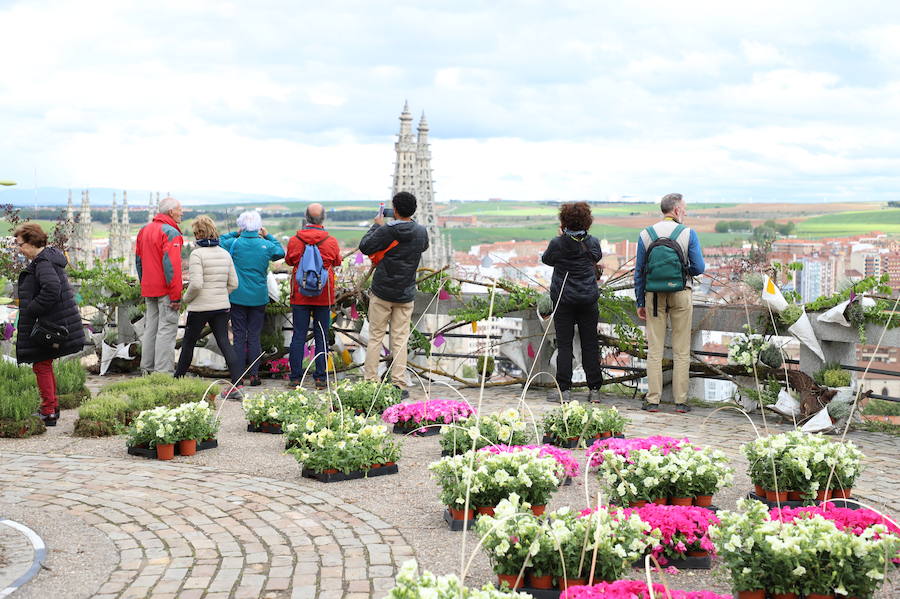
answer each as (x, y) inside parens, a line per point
(71, 377)
(485, 365)
(364, 396)
(678, 531)
(18, 408)
(503, 428)
(510, 539)
(411, 417)
(267, 412)
(565, 425)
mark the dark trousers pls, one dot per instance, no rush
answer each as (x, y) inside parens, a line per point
(218, 322)
(586, 317)
(46, 382)
(246, 326)
(321, 317)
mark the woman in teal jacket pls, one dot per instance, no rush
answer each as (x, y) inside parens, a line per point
(251, 250)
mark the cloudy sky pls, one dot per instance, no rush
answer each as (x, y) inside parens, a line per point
(527, 100)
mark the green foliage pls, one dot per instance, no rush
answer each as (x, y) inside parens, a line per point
(104, 415)
(418, 341)
(70, 375)
(771, 356)
(433, 285)
(365, 396)
(480, 366)
(790, 315)
(766, 395)
(728, 226)
(880, 407)
(875, 284)
(518, 297)
(832, 375)
(619, 311)
(18, 403)
(545, 305)
(106, 286)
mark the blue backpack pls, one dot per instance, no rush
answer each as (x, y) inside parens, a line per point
(312, 276)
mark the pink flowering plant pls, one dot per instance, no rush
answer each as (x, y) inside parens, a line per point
(569, 465)
(681, 529)
(624, 447)
(428, 413)
(634, 589)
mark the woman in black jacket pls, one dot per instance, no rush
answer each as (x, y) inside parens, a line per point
(46, 299)
(574, 256)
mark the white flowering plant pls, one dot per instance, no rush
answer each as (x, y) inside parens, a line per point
(489, 478)
(746, 348)
(150, 428)
(340, 441)
(503, 428)
(573, 420)
(196, 421)
(802, 462)
(412, 585)
(803, 555)
(511, 537)
(365, 396)
(280, 407)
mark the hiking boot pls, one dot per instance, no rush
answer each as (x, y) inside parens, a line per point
(404, 394)
(650, 407)
(320, 385)
(293, 383)
(255, 382)
(593, 396)
(49, 419)
(555, 396)
(234, 394)
(682, 408)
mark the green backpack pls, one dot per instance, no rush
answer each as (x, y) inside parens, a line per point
(665, 265)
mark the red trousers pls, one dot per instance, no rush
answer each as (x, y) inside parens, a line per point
(46, 383)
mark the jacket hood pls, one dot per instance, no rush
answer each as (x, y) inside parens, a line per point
(405, 230)
(56, 257)
(167, 220)
(312, 234)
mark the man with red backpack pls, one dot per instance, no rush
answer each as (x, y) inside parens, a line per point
(313, 253)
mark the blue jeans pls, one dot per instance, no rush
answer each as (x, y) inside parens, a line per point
(321, 317)
(247, 324)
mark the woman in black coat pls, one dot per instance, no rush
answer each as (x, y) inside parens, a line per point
(573, 289)
(45, 298)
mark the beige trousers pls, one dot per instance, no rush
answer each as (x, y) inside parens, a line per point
(382, 312)
(680, 311)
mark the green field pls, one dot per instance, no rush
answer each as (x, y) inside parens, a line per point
(485, 209)
(842, 224)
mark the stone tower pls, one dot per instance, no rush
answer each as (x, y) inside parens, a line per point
(119, 245)
(70, 224)
(125, 234)
(82, 239)
(412, 173)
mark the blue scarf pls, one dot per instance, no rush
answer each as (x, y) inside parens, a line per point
(207, 243)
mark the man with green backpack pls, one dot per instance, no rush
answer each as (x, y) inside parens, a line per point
(668, 256)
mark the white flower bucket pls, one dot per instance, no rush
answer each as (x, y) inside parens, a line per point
(205, 358)
(836, 315)
(786, 405)
(771, 296)
(109, 352)
(802, 330)
(139, 326)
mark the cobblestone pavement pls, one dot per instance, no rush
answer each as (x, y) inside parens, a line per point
(190, 532)
(238, 521)
(16, 555)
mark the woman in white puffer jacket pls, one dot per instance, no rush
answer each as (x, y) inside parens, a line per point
(212, 277)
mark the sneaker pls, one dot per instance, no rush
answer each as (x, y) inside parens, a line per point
(594, 396)
(255, 382)
(293, 383)
(682, 408)
(49, 419)
(235, 394)
(320, 385)
(404, 394)
(650, 407)
(555, 396)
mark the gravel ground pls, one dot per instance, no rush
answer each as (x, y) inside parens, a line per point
(408, 501)
(79, 557)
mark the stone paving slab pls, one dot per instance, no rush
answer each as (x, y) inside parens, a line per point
(16, 555)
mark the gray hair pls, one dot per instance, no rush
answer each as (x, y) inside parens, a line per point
(249, 221)
(315, 220)
(669, 201)
(168, 204)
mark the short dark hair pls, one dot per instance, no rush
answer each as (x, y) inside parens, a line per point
(404, 204)
(576, 216)
(669, 201)
(32, 234)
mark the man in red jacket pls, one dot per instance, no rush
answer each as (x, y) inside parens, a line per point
(158, 262)
(304, 306)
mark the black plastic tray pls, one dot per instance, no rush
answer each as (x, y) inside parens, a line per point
(265, 427)
(540, 593)
(688, 563)
(457, 525)
(430, 431)
(793, 504)
(151, 453)
(340, 476)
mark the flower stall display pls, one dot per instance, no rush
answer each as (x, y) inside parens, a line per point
(572, 423)
(335, 446)
(571, 467)
(155, 432)
(506, 427)
(797, 466)
(683, 533)
(412, 585)
(485, 479)
(635, 589)
(809, 556)
(678, 473)
(364, 396)
(425, 417)
(564, 549)
(268, 412)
